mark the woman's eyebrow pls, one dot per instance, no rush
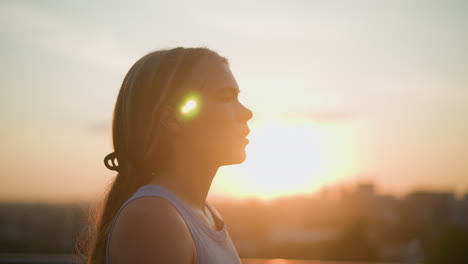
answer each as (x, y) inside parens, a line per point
(230, 90)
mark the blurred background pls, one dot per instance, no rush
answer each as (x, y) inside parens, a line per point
(358, 146)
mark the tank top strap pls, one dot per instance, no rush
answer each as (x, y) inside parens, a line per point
(193, 222)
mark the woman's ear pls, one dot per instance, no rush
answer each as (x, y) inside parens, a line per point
(169, 120)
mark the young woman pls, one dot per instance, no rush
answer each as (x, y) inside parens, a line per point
(176, 121)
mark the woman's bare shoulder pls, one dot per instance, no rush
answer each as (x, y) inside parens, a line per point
(150, 230)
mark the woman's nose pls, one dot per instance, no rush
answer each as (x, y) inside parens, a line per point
(246, 113)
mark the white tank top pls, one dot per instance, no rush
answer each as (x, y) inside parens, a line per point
(213, 246)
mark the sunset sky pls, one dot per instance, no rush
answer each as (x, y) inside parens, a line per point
(341, 91)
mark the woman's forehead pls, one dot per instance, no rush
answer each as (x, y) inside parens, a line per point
(219, 79)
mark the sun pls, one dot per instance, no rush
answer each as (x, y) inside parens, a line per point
(287, 158)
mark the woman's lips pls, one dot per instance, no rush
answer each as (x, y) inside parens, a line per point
(244, 135)
(244, 139)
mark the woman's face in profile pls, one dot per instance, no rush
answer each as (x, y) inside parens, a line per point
(219, 128)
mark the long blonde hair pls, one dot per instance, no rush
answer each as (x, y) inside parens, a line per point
(140, 142)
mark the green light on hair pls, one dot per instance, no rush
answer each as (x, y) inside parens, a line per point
(190, 106)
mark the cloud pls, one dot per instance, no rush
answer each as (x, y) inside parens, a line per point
(103, 127)
(23, 23)
(330, 116)
(324, 115)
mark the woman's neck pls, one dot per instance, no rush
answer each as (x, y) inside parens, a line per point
(189, 178)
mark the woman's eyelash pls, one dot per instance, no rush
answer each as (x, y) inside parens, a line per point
(230, 97)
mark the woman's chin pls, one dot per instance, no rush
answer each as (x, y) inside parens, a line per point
(237, 157)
